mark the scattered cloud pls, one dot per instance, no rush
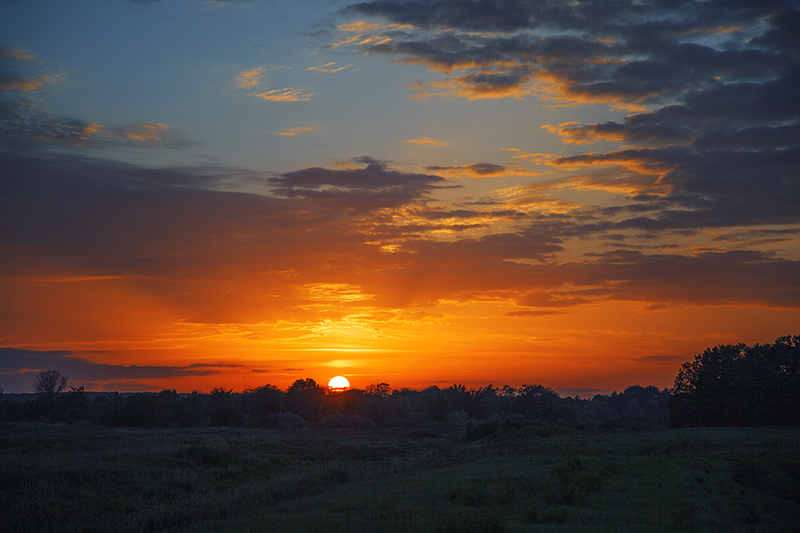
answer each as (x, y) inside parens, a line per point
(25, 122)
(329, 67)
(480, 170)
(249, 79)
(429, 142)
(291, 132)
(284, 95)
(537, 313)
(20, 55)
(652, 308)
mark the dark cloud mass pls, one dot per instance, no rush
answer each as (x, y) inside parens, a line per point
(714, 138)
(376, 185)
(19, 369)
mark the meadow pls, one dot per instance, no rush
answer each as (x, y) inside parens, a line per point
(434, 477)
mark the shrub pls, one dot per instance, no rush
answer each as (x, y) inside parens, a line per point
(286, 421)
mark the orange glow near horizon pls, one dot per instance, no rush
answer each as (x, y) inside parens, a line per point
(581, 198)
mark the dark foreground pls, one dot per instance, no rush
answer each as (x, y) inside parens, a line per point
(531, 478)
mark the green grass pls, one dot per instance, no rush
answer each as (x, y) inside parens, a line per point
(73, 478)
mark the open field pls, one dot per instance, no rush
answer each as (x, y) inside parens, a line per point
(530, 478)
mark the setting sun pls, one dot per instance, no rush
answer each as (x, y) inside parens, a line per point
(338, 383)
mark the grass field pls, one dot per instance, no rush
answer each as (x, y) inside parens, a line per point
(533, 478)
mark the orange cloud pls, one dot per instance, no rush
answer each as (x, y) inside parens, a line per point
(146, 132)
(20, 55)
(429, 141)
(250, 78)
(291, 132)
(646, 162)
(328, 67)
(284, 95)
(30, 85)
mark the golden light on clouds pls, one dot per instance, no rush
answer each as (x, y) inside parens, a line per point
(291, 132)
(429, 142)
(250, 78)
(284, 95)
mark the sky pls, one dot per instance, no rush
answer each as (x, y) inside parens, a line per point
(580, 194)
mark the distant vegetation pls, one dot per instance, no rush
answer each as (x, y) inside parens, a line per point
(437, 460)
(728, 385)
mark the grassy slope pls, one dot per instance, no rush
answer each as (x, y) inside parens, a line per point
(62, 478)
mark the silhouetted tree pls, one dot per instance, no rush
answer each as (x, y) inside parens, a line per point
(540, 403)
(47, 385)
(304, 398)
(267, 402)
(49, 382)
(75, 404)
(381, 390)
(735, 384)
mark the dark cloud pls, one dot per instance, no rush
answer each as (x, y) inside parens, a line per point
(597, 50)
(481, 15)
(538, 299)
(19, 368)
(719, 143)
(533, 313)
(81, 235)
(475, 169)
(373, 186)
(25, 123)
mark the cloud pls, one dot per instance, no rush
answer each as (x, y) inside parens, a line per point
(291, 132)
(652, 308)
(284, 95)
(329, 68)
(538, 299)
(713, 138)
(430, 142)
(377, 184)
(703, 75)
(16, 73)
(19, 368)
(25, 122)
(20, 55)
(250, 78)
(99, 248)
(479, 170)
(537, 313)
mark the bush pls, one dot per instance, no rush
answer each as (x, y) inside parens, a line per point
(286, 421)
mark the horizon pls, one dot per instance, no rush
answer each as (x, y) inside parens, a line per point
(233, 193)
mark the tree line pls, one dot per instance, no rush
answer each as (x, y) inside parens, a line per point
(724, 385)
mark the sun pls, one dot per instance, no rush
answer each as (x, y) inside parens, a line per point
(338, 384)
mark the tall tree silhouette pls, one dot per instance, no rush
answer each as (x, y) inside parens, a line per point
(304, 398)
(735, 384)
(47, 384)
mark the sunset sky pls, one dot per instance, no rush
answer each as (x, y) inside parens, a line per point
(581, 194)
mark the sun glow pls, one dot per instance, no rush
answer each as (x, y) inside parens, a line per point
(338, 384)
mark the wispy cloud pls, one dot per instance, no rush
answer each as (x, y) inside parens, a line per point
(249, 79)
(430, 142)
(480, 170)
(284, 95)
(329, 67)
(291, 132)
